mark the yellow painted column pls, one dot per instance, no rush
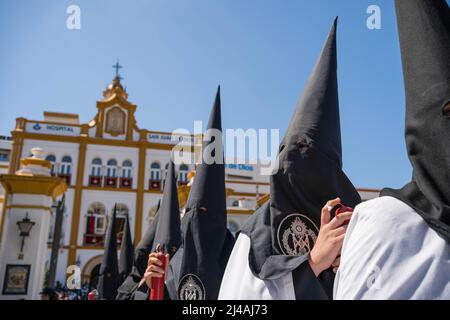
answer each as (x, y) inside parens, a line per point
(2, 214)
(140, 186)
(14, 161)
(77, 197)
(16, 152)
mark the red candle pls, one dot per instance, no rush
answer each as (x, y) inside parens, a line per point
(342, 208)
(157, 285)
(92, 295)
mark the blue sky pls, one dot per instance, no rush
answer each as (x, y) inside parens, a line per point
(175, 53)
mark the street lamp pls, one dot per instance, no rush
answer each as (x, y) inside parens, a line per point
(25, 226)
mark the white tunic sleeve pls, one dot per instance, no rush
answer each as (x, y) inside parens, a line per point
(390, 253)
(239, 283)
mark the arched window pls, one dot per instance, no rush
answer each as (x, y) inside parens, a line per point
(111, 168)
(126, 169)
(96, 167)
(155, 171)
(66, 164)
(52, 159)
(96, 219)
(182, 175)
(122, 210)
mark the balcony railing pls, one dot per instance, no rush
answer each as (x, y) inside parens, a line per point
(95, 181)
(93, 239)
(126, 183)
(154, 185)
(99, 239)
(110, 182)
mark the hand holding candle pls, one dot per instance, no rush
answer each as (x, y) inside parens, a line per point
(327, 248)
(341, 209)
(155, 274)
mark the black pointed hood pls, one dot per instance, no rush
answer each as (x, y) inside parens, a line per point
(209, 183)
(168, 234)
(316, 116)
(109, 270)
(309, 174)
(197, 268)
(126, 252)
(144, 247)
(424, 30)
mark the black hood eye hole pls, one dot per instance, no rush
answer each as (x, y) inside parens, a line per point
(281, 148)
(303, 145)
(446, 109)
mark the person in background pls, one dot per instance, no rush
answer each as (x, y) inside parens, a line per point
(48, 294)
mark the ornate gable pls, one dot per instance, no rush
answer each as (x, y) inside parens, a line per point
(115, 118)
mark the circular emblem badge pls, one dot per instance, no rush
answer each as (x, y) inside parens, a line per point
(191, 288)
(297, 234)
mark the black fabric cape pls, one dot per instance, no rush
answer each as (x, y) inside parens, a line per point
(197, 268)
(168, 234)
(108, 279)
(424, 29)
(128, 288)
(126, 253)
(283, 231)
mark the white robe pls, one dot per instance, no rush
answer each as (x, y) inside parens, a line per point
(239, 283)
(390, 253)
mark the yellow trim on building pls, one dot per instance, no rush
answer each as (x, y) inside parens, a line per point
(243, 194)
(36, 162)
(49, 186)
(93, 188)
(237, 211)
(2, 215)
(248, 182)
(16, 147)
(95, 141)
(263, 199)
(55, 123)
(61, 115)
(140, 188)
(117, 98)
(71, 257)
(153, 191)
(29, 206)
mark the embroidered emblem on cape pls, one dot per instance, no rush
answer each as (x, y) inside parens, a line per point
(191, 288)
(297, 234)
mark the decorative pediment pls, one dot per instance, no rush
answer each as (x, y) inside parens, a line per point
(115, 116)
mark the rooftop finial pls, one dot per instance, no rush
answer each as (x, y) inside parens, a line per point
(117, 66)
(115, 87)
